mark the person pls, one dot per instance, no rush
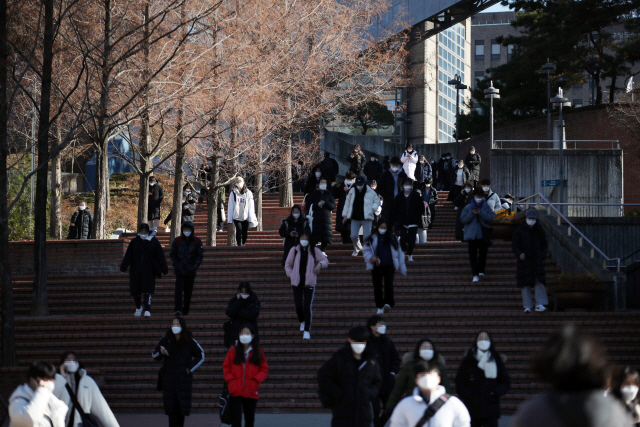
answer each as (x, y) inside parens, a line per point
(303, 265)
(298, 177)
(576, 367)
(473, 161)
(374, 185)
(430, 197)
(386, 163)
(405, 381)
(291, 228)
(389, 362)
(492, 198)
(340, 192)
(360, 208)
(383, 256)
(245, 368)
(409, 213)
(625, 386)
(81, 222)
(409, 160)
(329, 167)
(463, 199)
(188, 209)
(373, 169)
(73, 378)
(243, 309)
(186, 256)
(423, 172)
(412, 410)
(242, 211)
(507, 202)
(33, 404)
(357, 159)
(146, 258)
(481, 381)
(435, 171)
(390, 185)
(321, 204)
(156, 196)
(312, 184)
(457, 178)
(180, 355)
(444, 171)
(349, 381)
(476, 218)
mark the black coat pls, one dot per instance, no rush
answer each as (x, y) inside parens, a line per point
(387, 356)
(176, 381)
(403, 216)
(357, 162)
(347, 390)
(146, 261)
(430, 195)
(423, 172)
(386, 188)
(473, 163)
(186, 255)
(155, 199)
(444, 168)
(341, 195)
(330, 169)
(289, 225)
(462, 200)
(373, 171)
(532, 242)
(310, 186)
(242, 312)
(82, 223)
(322, 219)
(481, 395)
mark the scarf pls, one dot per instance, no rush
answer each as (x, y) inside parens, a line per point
(489, 367)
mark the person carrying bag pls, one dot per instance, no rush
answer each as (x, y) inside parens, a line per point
(87, 419)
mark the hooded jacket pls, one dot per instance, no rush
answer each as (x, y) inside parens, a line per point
(406, 380)
(322, 218)
(244, 380)
(385, 352)
(243, 311)
(145, 260)
(292, 265)
(493, 201)
(371, 203)
(369, 250)
(186, 253)
(82, 223)
(373, 170)
(411, 409)
(473, 223)
(89, 397)
(28, 408)
(412, 215)
(249, 210)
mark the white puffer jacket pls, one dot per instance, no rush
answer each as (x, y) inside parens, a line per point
(369, 251)
(409, 162)
(249, 211)
(28, 408)
(89, 397)
(494, 202)
(411, 409)
(371, 203)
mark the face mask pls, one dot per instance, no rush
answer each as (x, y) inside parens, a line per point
(244, 296)
(358, 348)
(478, 200)
(531, 222)
(71, 366)
(426, 354)
(394, 169)
(422, 162)
(467, 190)
(348, 183)
(186, 233)
(296, 216)
(427, 185)
(433, 161)
(318, 174)
(49, 385)
(460, 166)
(143, 235)
(473, 152)
(373, 159)
(374, 187)
(359, 187)
(245, 339)
(408, 187)
(176, 330)
(484, 345)
(304, 242)
(485, 189)
(382, 329)
(629, 392)
(323, 186)
(240, 185)
(510, 201)
(428, 382)
(152, 184)
(82, 207)
(448, 157)
(382, 231)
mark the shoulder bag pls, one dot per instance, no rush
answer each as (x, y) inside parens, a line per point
(432, 409)
(88, 420)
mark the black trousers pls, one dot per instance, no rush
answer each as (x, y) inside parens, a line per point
(478, 263)
(346, 236)
(303, 298)
(238, 406)
(176, 419)
(380, 419)
(408, 238)
(143, 301)
(241, 232)
(484, 422)
(383, 285)
(183, 284)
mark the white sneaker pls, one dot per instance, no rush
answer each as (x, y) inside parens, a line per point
(480, 274)
(386, 308)
(147, 314)
(410, 258)
(325, 254)
(455, 209)
(355, 253)
(306, 336)
(138, 312)
(527, 310)
(380, 311)
(541, 307)
(302, 327)
(476, 279)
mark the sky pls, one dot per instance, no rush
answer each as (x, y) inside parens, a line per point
(496, 8)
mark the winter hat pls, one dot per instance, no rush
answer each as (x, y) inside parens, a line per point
(360, 180)
(532, 213)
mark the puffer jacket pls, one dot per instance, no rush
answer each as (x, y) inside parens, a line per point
(371, 203)
(532, 242)
(409, 161)
(341, 195)
(473, 163)
(370, 248)
(322, 223)
(406, 380)
(373, 170)
(186, 253)
(155, 199)
(413, 214)
(244, 380)
(249, 211)
(292, 265)
(493, 201)
(82, 223)
(28, 408)
(473, 223)
(243, 311)
(453, 176)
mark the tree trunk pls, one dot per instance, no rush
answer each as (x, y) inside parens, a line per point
(212, 203)
(286, 184)
(176, 220)
(39, 306)
(231, 229)
(258, 197)
(7, 330)
(598, 89)
(612, 89)
(55, 226)
(145, 134)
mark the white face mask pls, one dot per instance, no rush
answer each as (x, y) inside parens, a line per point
(245, 339)
(460, 166)
(394, 169)
(485, 189)
(304, 242)
(408, 187)
(358, 348)
(176, 330)
(422, 162)
(244, 296)
(510, 201)
(531, 222)
(382, 230)
(82, 208)
(187, 233)
(427, 185)
(467, 190)
(349, 183)
(71, 366)
(382, 329)
(426, 354)
(296, 216)
(152, 184)
(484, 345)
(322, 186)
(143, 235)
(240, 185)
(472, 152)
(629, 392)
(478, 200)
(373, 159)
(318, 174)
(359, 187)
(49, 385)
(429, 382)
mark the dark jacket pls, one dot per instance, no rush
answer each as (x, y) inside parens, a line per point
(155, 199)
(406, 381)
(341, 195)
(188, 210)
(82, 224)
(373, 171)
(176, 381)
(242, 312)
(532, 242)
(423, 172)
(310, 186)
(146, 259)
(330, 169)
(462, 200)
(430, 196)
(347, 386)
(322, 219)
(385, 352)
(481, 395)
(453, 175)
(386, 188)
(289, 225)
(444, 168)
(413, 215)
(186, 253)
(473, 163)
(357, 162)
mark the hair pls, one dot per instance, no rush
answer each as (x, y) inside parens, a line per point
(152, 179)
(486, 182)
(327, 155)
(494, 355)
(416, 351)
(82, 202)
(374, 320)
(40, 369)
(478, 192)
(620, 377)
(472, 148)
(359, 334)
(316, 167)
(373, 181)
(426, 366)
(256, 356)
(143, 225)
(350, 175)
(322, 178)
(408, 145)
(428, 180)
(460, 161)
(185, 334)
(245, 285)
(392, 238)
(244, 187)
(357, 146)
(302, 216)
(572, 361)
(407, 179)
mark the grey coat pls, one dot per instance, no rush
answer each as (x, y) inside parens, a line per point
(473, 223)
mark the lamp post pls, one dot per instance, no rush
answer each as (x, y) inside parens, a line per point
(491, 93)
(548, 68)
(459, 85)
(561, 101)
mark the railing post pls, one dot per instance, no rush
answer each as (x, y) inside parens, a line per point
(569, 231)
(559, 220)
(580, 242)
(593, 253)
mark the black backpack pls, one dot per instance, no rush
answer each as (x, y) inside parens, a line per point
(225, 405)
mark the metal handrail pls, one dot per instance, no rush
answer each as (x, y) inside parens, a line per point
(592, 204)
(547, 141)
(581, 237)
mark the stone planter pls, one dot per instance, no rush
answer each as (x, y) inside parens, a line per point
(503, 231)
(576, 300)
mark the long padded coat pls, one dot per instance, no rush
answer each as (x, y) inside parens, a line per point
(532, 242)
(144, 259)
(322, 220)
(155, 199)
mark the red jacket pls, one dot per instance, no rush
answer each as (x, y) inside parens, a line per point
(244, 380)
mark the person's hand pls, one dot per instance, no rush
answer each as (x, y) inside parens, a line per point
(294, 234)
(149, 192)
(522, 256)
(351, 155)
(317, 269)
(374, 259)
(188, 371)
(63, 370)
(476, 211)
(71, 224)
(321, 204)
(163, 351)
(186, 207)
(345, 219)
(238, 296)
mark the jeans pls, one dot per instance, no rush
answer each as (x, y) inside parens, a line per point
(355, 232)
(478, 264)
(303, 299)
(241, 404)
(241, 232)
(183, 284)
(408, 238)
(421, 236)
(541, 295)
(383, 279)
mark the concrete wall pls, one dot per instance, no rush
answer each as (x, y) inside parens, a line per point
(593, 176)
(616, 237)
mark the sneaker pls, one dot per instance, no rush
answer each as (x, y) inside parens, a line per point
(476, 279)
(325, 254)
(540, 307)
(306, 336)
(480, 274)
(177, 313)
(147, 314)
(354, 253)
(386, 308)
(380, 311)
(455, 209)
(410, 258)
(138, 312)
(302, 327)
(527, 310)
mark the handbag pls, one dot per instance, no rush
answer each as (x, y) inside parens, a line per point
(88, 420)
(225, 405)
(229, 339)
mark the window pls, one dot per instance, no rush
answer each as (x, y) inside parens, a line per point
(577, 103)
(479, 49)
(509, 51)
(495, 49)
(479, 75)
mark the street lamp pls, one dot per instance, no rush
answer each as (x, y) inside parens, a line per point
(491, 93)
(459, 85)
(561, 101)
(548, 68)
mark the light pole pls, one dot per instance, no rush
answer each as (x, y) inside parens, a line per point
(561, 101)
(491, 93)
(548, 68)
(459, 85)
